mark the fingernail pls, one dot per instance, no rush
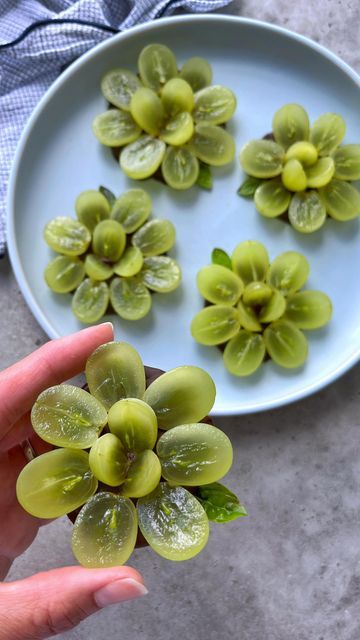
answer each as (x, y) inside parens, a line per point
(119, 591)
(108, 324)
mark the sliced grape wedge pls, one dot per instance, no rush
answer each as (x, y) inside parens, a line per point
(55, 483)
(309, 309)
(91, 207)
(286, 344)
(250, 260)
(288, 272)
(130, 263)
(90, 301)
(108, 460)
(134, 422)
(132, 209)
(68, 416)
(307, 212)
(244, 353)
(67, 236)
(180, 168)
(347, 162)
(147, 110)
(130, 298)
(219, 285)
(109, 240)
(290, 124)
(105, 531)
(115, 128)
(197, 72)
(115, 371)
(293, 176)
(248, 317)
(327, 133)
(182, 395)
(341, 199)
(194, 454)
(271, 198)
(155, 237)
(177, 96)
(157, 64)
(262, 158)
(215, 324)
(118, 86)
(215, 104)
(96, 268)
(140, 159)
(320, 173)
(303, 151)
(143, 476)
(212, 144)
(274, 308)
(256, 294)
(173, 522)
(64, 273)
(178, 130)
(161, 274)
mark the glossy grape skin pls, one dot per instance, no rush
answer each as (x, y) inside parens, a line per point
(341, 199)
(105, 531)
(286, 344)
(55, 483)
(67, 236)
(274, 308)
(309, 309)
(64, 273)
(244, 353)
(180, 168)
(90, 301)
(288, 272)
(130, 263)
(256, 294)
(68, 416)
(109, 240)
(130, 298)
(118, 86)
(177, 96)
(327, 133)
(91, 207)
(115, 371)
(96, 269)
(303, 151)
(219, 285)
(132, 208)
(178, 130)
(194, 454)
(155, 237)
(161, 274)
(182, 395)
(293, 176)
(173, 522)
(320, 173)
(212, 144)
(262, 158)
(157, 64)
(215, 104)
(271, 198)
(215, 324)
(115, 128)
(108, 460)
(290, 124)
(197, 72)
(142, 158)
(248, 318)
(147, 110)
(143, 476)
(347, 162)
(135, 424)
(307, 212)
(250, 260)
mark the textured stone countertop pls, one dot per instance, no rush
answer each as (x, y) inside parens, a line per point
(292, 569)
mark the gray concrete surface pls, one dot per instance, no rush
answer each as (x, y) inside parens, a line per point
(292, 569)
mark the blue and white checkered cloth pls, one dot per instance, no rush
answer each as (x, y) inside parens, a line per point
(38, 38)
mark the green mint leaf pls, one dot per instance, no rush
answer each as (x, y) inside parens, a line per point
(219, 256)
(220, 504)
(248, 187)
(109, 195)
(204, 180)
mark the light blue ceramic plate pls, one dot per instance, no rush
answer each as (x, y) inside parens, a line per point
(58, 157)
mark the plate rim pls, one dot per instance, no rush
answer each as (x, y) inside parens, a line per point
(12, 248)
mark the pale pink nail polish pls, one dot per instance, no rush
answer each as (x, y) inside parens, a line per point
(119, 591)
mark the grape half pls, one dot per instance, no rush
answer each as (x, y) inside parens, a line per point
(108, 460)
(341, 199)
(347, 162)
(115, 128)
(109, 240)
(286, 344)
(327, 132)
(134, 422)
(130, 298)
(177, 96)
(132, 209)
(147, 110)
(143, 476)
(309, 309)
(212, 144)
(64, 273)
(307, 213)
(90, 301)
(271, 198)
(262, 158)
(91, 207)
(180, 168)
(178, 130)
(250, 261)
(67, 236)
(161, 274)
(96, 268)
(197, 72)
(157, 64)
(244, 353)
(215, 104)
(219, 285)
(290, 124)
(118, 86)
(155, 237)
(142, 158)
(130, 263)
(215, 324)
(288, 272)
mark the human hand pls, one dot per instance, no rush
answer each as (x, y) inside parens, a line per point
(47, 603)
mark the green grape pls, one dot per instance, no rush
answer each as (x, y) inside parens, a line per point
(96, 268)
(303, 151)
(262, 158)
(219, 285)
(130, 298)
(142, 158)
(155, 237)
(293, 176)
(134, 422)
(181, 395)
(132, 209)
(256, 294)
(68, 416)
(197, 72)
(115, 128)
(180, 168)
(147, 110)
(286, 344)
(67, 236)
(288, 272)
(91, 207)
(108, 460)
(115, 371)
(274, 308)
(248, 317)
(215, 104)
(55, 483)
(309, 309)
(271, 198)
(212, 144)
(109, 240)
(143, 476)
(290, 124)
(157, 64)
(215, 324)
(90, 301)
(64, 273)
(244, 353)
(118, 86)
(347, 162)
(307, 212)
(130, 263)
(161, 274)
(250, 261)
(341, 199)
(173, 522)
(105, 531)
(177, 96)
(320, 173)
(194, 454)
(178, 130)
(327, 133)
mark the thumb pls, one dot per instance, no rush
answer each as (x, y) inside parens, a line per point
(56, 601)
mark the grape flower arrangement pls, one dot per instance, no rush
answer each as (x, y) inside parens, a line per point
(114, 242)
(257, 308)
(303, 171)
(168, 119)
(122, 483)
